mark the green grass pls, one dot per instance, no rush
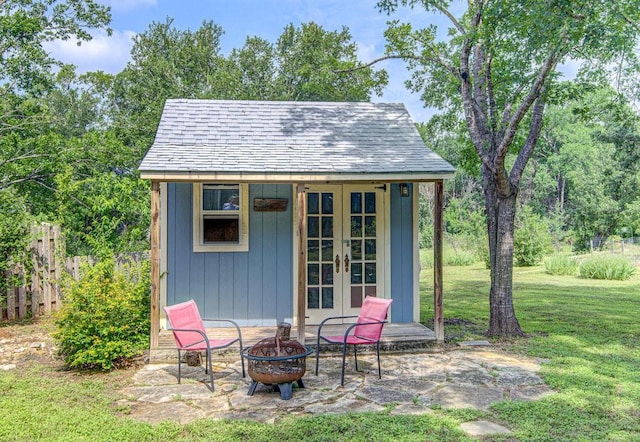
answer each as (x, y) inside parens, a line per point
(587, 331)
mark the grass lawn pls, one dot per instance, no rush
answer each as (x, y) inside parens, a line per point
(587, 331)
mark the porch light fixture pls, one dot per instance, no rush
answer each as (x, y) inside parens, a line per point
(404, 190)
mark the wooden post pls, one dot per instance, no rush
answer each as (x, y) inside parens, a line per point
(438, 315)
(155, 263)
(302, 262)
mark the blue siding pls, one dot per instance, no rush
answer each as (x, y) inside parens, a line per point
(253, 287)
(401, 229)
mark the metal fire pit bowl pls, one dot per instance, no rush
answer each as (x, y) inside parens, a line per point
(273, 361)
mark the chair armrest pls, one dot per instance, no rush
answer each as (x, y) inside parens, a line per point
(332, 318)
(352, 326)
(235, 324)
(205, 338)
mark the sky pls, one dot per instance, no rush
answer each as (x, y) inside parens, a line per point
(243, 18)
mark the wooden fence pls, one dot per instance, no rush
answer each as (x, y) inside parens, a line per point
(35, 291)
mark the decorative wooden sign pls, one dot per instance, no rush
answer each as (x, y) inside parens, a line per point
(270, 204)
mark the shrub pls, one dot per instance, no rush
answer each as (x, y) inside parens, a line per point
(531, 239)
(461, 258)
(561, 265)
(105, 315)
(607, 267)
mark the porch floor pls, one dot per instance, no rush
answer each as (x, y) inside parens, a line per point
(395, 337)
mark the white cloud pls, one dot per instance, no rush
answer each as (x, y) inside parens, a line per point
(127, 5)
(109, 54)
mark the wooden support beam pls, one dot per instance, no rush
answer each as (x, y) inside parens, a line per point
(302, 262)
(438, 314)
(155, 263)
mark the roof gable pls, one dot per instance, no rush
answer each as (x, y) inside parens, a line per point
(288, 139)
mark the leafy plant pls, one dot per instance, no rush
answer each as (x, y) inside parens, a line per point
(460, 258)
(561, 265)
(105, 316)
(531, 239)
(607, 267)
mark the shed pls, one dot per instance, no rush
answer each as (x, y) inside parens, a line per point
(268, 211)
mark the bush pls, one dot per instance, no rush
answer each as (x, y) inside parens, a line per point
(531, 239)
(105, 317)
(462, 258)
(561, 265)
(607, 267)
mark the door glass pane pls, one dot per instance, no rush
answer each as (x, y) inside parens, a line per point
(313, 297)
(327, 297)
(369, 226)
(356, 202)
(370, 290)
(313, 250)
(356, 296)
(327, 274)
(313, 227)
(356, 226)
(327, 250)
(356, 273)
(370, 249)
(369, 202)
(312, 203)
(370, 273)
(313, 274)
(356, 250)
(327, 226)
(327, 203)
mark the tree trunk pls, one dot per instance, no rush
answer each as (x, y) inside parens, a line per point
(501, 211)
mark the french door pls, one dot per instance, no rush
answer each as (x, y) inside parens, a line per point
(345, 249)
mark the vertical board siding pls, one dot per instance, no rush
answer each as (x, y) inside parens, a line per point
(253, 287)
(401, 231)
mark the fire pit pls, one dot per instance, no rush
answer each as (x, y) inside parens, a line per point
(279, 362)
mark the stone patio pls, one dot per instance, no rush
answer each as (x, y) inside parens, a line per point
(412, 383)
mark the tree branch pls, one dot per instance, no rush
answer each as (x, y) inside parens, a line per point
(531, 141)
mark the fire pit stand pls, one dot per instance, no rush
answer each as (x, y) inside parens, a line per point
(274, 361)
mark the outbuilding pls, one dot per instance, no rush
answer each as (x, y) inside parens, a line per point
(289, 211)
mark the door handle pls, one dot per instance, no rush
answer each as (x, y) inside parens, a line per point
(346, 263)
(337, 263)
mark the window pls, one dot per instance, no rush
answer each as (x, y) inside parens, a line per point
(220, 217)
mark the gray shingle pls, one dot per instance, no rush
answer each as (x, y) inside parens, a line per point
(200, 136)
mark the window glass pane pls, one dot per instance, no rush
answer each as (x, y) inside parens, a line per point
(327, 250)
(312, 203)
(327, 227)
(220, 230)
(327, 203)
(313, 274)
(327, 274)
(356, 273)
(327, 297)
(356, 296)
(313, 297)
(220, 197)
(313, 250)
(313, 227)
(356, 250)
(370, 249)
(356, 202)
(370, 273)
(369, 202)
(369, 226)
(356, 226)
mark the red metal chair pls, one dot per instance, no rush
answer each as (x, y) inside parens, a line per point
(190, 334)
(366, 331)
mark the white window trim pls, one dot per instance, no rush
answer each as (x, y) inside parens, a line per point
(243, 243)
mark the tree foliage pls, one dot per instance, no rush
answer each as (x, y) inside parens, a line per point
(497, 66)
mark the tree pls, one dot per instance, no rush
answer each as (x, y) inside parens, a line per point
(498, 64)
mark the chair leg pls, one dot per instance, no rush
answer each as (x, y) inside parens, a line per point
(179, 366)
(242, 361)
(210, 365)
(317, 354)
(344, 356)
(378, 353)
(355, 355)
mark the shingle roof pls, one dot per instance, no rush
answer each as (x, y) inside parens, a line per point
(288, 138)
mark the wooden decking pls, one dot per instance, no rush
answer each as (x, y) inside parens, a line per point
(395, 337)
